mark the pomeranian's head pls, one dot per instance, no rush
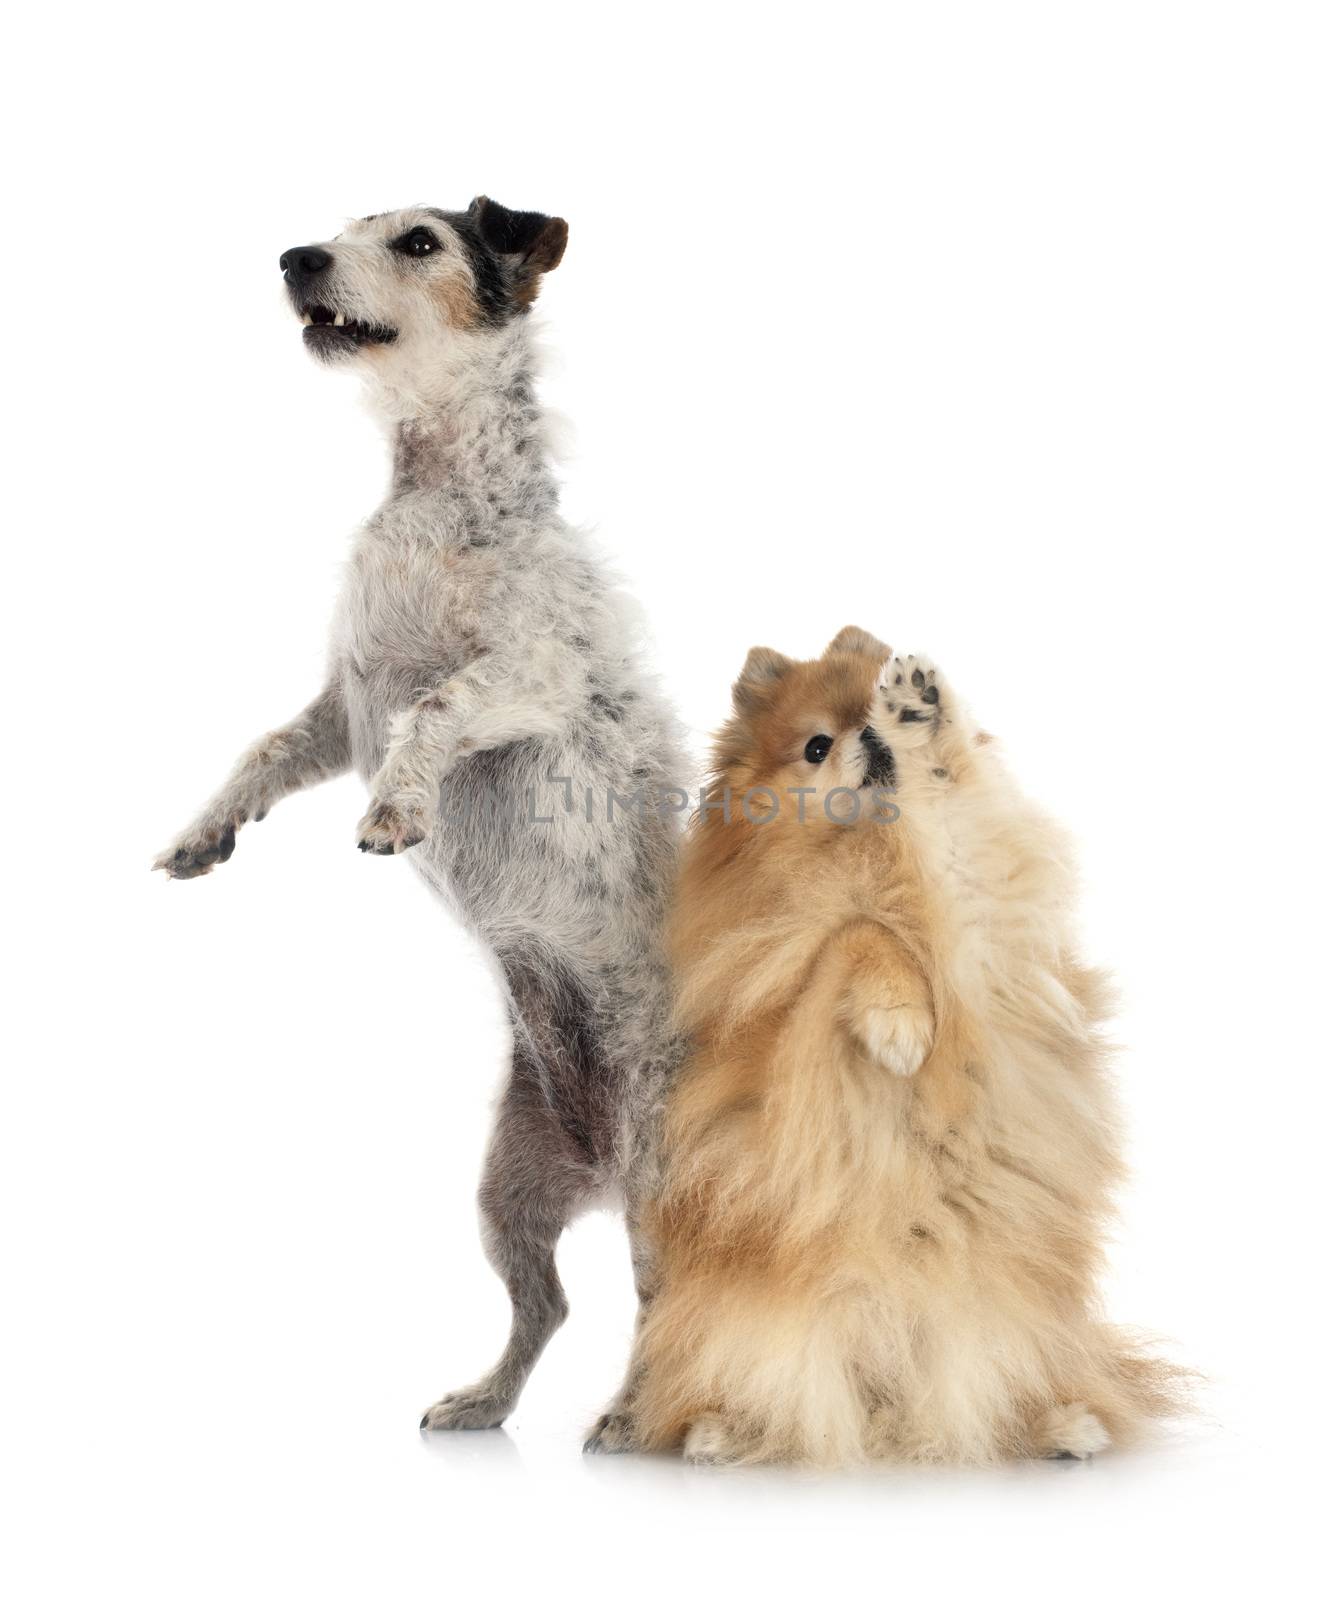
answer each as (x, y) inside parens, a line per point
(800, 742)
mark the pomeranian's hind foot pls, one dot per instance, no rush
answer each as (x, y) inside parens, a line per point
(710, 1443)
(477, 1407)
(1072, 1433)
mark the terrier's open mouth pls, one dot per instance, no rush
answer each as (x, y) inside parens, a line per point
(326, 329)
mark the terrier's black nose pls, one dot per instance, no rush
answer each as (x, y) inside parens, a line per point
(303, 262)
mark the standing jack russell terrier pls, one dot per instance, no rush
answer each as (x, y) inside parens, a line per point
(485, 681)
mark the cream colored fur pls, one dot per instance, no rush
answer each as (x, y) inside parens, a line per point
(890, 1157)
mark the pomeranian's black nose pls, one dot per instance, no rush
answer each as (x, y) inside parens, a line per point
(881, 764)
(303, 262)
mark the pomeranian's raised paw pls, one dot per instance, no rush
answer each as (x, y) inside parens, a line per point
(912, 686)
(897, 1037)
(1073, 1433)
(387, 828)
(477, 1407)
(612, 1435)
(709, 1442)
(198, 853)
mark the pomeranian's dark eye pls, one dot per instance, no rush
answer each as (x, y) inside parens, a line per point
(416, 242)
(817, 748)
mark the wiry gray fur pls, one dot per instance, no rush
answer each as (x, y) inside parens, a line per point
(480, 655)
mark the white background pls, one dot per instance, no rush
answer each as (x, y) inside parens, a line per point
(999, 330)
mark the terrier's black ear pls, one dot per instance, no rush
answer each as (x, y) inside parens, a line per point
(536, 240)
(762, 668)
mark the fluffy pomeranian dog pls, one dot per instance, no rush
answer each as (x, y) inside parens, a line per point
(889, 1158)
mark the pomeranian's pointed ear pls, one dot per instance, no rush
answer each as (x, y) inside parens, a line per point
(856, 641)
(762, 668)
(533, 239)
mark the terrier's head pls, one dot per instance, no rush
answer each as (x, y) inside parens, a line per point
(404, 289)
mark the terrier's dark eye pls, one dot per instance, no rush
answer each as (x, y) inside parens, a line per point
(416, 242)
(817, 748)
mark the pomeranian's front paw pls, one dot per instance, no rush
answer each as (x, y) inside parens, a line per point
(391, 826)
(897, 1037)
(913, 687)
(198, 850)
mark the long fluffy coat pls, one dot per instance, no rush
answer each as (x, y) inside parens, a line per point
(890, 1156)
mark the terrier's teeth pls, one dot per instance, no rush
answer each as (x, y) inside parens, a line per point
(339, 321)
(307, 319)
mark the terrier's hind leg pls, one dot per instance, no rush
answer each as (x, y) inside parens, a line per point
(536, 1176)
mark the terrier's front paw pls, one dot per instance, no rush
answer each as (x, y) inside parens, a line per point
(199, 850)
(391, 826)
(913, 688)
(897, 1037)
